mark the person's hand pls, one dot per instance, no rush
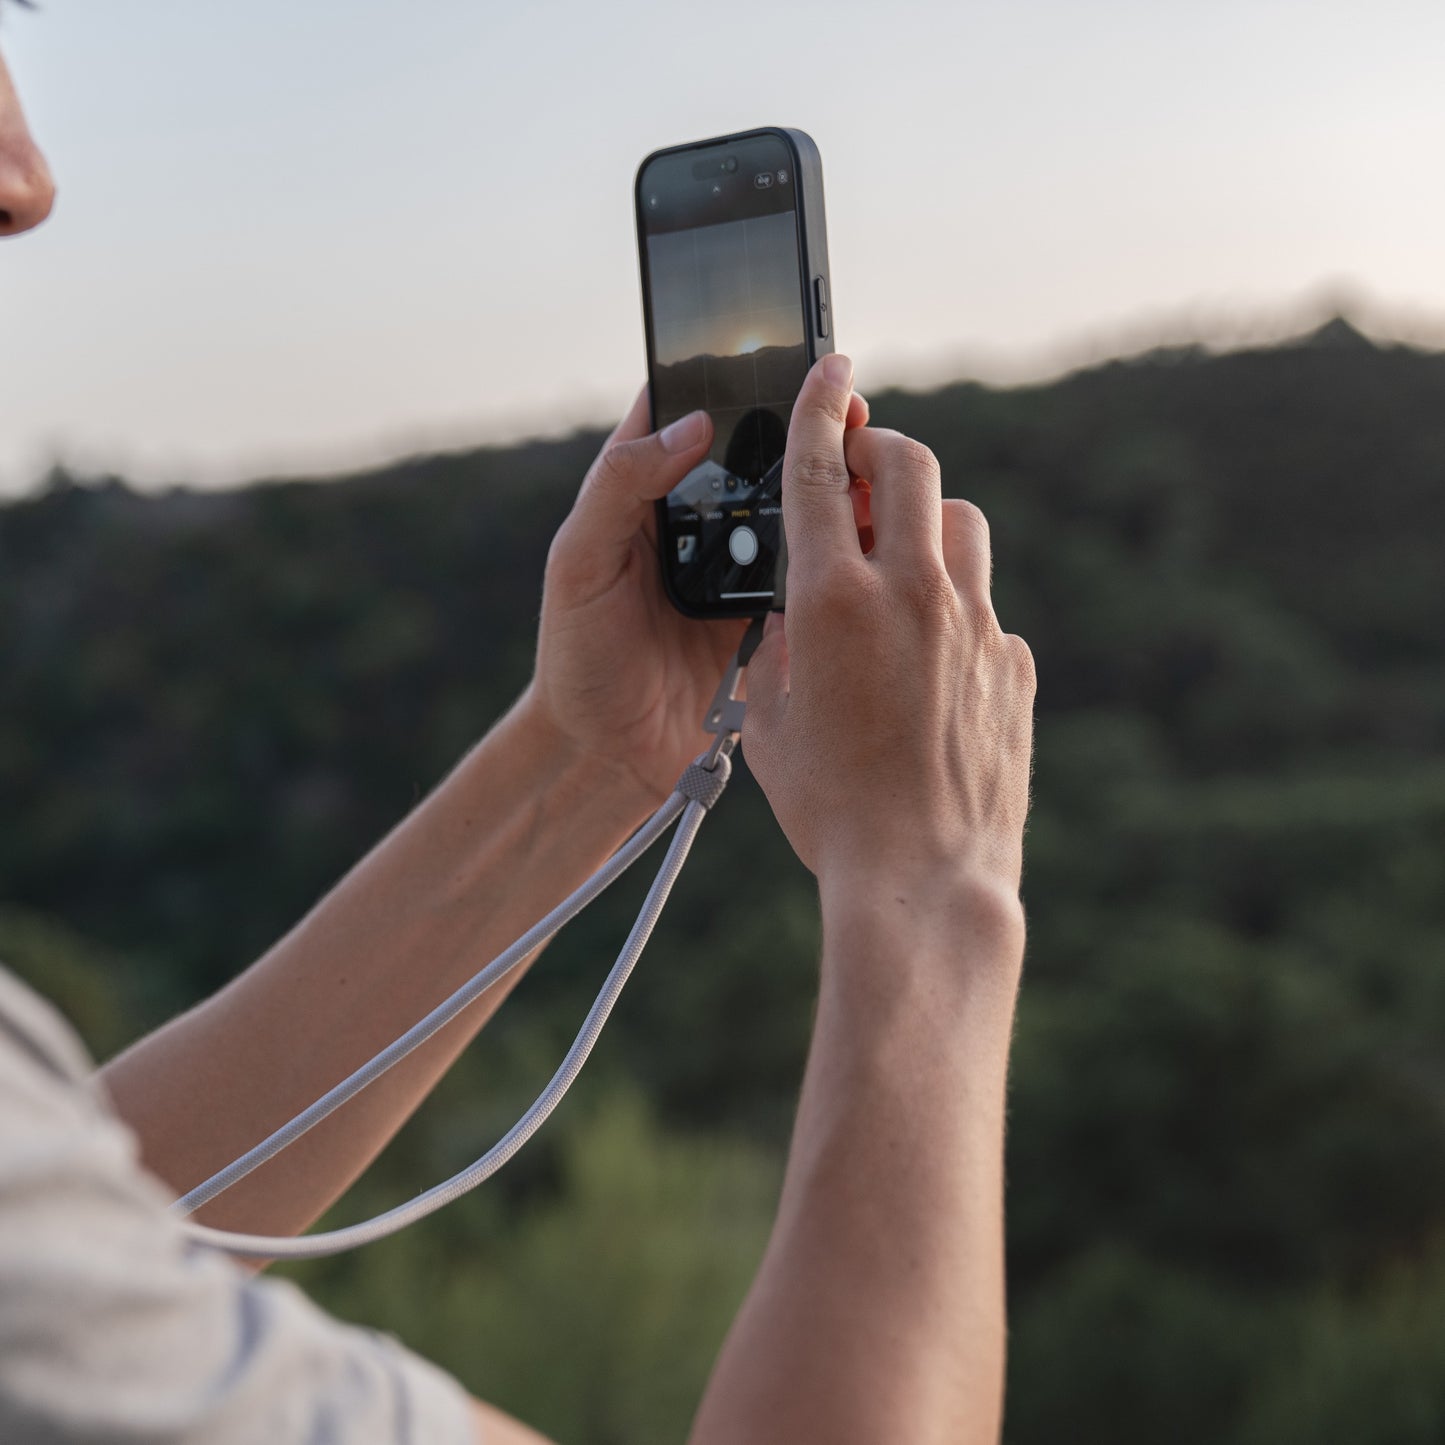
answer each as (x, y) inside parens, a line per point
(621, 674)
(890, 721)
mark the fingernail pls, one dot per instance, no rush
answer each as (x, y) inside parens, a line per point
(837, 369)
(684, 433)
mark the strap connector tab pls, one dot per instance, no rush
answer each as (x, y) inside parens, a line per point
(725, 716)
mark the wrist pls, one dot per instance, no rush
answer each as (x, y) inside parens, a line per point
(960, 923)
(919, 984)
(608, 783)
(924, 886)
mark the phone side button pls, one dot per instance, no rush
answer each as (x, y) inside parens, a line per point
(820, 304)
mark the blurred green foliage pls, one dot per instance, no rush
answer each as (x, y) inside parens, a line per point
(1227, 1140)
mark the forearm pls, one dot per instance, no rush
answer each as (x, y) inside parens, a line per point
(520, 823)
(878, 1313)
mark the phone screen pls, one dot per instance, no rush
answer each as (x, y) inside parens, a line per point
(727, 332)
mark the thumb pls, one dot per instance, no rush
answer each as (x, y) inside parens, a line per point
(629, 475)
(817, 510)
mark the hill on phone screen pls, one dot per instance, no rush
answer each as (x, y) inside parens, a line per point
(770, 374)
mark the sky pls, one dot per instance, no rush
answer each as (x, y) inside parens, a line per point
(307, 236)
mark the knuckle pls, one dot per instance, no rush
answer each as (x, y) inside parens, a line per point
(557, 551)
(966, 545)
(839, 593)
(891, 452)
(928, 597)
(818, 469)
(617, 464)
(918, 458)
(609, 468)
(982, 623)
(1020, 658)
(560, 570)
(971, 520)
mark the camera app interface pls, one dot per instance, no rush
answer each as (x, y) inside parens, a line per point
(728, 336)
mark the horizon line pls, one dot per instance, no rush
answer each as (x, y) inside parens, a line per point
(1181, 329)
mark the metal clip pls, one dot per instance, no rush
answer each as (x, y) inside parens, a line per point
(725, 717)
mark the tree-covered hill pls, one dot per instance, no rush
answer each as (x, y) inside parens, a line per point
(1227, 1151)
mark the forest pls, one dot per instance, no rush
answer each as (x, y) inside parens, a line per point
(1226, 1152)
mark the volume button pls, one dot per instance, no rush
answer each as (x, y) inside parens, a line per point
(820, 304)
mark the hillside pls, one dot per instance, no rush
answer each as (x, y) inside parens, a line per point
(1227, 1149)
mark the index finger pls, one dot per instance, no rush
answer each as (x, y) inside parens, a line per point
(637, 423)
(817, 510)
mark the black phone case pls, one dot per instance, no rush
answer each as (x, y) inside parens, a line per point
(817, 307)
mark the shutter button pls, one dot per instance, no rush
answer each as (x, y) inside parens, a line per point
(743, 545)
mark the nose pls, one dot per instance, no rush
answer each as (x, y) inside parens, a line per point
(26, 190)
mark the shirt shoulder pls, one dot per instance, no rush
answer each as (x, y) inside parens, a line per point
(32, 1030)
(114, 1327)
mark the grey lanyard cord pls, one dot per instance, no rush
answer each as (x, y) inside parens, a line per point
(699, 787)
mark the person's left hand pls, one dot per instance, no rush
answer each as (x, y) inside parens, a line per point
(621, 673)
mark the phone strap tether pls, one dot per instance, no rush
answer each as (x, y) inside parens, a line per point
(700, 786)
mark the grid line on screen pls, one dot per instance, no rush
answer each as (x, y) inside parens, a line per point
(731, 330)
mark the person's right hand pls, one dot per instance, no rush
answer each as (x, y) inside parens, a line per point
(890, 721)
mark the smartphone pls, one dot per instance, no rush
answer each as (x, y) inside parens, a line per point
(736, 308)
